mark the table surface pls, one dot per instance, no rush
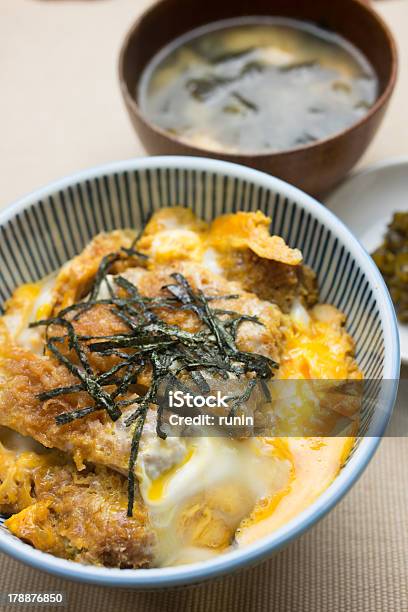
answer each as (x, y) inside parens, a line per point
(61, 111)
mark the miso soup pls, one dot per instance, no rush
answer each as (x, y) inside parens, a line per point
(257, 85)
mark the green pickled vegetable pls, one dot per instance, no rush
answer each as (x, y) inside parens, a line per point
(392, 260)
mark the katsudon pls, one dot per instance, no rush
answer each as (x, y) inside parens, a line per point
(84, 355)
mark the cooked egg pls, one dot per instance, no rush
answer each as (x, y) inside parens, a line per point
(31, 302)
(317, 345)
(199, 499)
(176, 234)
(213, 492)
(316, 462)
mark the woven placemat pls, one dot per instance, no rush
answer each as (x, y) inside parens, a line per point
(356, 559)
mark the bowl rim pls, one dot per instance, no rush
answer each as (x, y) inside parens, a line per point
(133, 104)
(157, 578)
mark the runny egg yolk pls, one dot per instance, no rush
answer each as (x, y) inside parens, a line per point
(43, 311)
(158, 486)
(198, 503)
(226, 492)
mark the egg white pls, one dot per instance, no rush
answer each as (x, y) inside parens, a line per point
(30, 303)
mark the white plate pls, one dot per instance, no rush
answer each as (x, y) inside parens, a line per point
(366, 202)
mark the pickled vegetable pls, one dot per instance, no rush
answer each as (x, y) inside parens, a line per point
(392, 259)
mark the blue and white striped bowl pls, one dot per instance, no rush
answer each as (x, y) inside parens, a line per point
(41, 231)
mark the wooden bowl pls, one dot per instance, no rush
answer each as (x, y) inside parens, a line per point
(316, 167)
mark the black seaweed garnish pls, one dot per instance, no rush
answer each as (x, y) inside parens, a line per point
(150, 345)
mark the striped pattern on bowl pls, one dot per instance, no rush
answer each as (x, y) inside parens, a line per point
(48, 228)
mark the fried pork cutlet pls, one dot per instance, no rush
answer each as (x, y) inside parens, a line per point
(76, 276)
(96, 438)
(23, 377)
(76, 516)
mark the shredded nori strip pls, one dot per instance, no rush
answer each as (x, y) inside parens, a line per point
(134, 450)
(68, 417)
(238, 400)
(150, 343)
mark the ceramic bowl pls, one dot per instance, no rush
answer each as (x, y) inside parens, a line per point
(316, 167)
(43, 230)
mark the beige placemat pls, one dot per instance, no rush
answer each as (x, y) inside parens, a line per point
(60, 110)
